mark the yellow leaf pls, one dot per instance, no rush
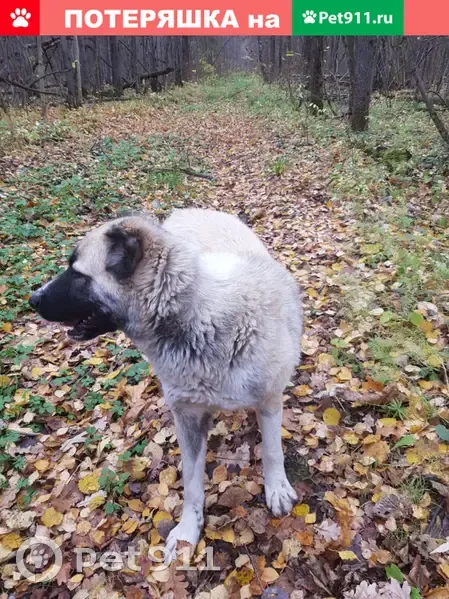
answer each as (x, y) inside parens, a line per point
(129, 526)
(7, 327)
(227, 535)
(4, 380)
(51, 517)
(95, 361)
(379, 451)
(345, 374)
(168, 476)
(444, 570)
(138, 466)
(420, 513)
(347, 555)
(388, 422)
(285, 434)
(161, 515)
(269, 575)
(155, 537)
(244, 576)
(360, 469)
(96, 502)
(326, 359)
(98, 537)
(37, 372)
(301, 391)
(301, 510)
(412, 456)
(136, 505)
(41, 465)
(331, 416)
(76, 579)
(112, 374)
(351, 437)
(11, 541)
(310, 519)
(89, 484)
(311, 292)
(434, 360)
(426, 385)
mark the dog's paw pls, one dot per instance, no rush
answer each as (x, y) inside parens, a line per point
(280, 497)
(187, 530)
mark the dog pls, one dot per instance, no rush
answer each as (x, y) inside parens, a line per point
(217, 317)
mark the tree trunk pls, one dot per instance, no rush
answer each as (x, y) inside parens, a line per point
(40, 75)
(185, 57)
(262, 65)
(70, 75)
(77, 63)
(177, 60)
(86, 83)
(116, 65)
(272, 57)
(361, 59)
(135, 66)
(313, 49)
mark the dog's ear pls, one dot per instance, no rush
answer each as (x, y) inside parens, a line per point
(124, 253)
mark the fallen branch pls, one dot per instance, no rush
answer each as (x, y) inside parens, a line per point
(26, 88)
(186, 171)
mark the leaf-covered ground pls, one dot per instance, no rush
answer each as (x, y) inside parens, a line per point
(89, 456)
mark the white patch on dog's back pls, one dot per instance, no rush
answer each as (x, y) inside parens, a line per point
(219, 265)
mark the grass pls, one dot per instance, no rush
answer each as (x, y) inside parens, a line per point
(415, 487)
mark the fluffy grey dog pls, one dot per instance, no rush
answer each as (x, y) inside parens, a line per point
(218, 318)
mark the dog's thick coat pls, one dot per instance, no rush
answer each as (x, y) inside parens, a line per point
(218, 318)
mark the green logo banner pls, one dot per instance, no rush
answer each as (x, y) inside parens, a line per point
(348, 17)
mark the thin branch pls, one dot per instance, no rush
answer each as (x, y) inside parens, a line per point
(26, 88)
(32, 83)
(431, 109)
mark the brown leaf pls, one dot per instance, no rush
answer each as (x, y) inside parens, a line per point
(234, 496)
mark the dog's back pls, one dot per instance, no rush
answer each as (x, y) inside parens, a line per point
(215, 232)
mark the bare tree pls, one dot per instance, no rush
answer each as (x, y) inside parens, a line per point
(262, 64)
(77, 66)
(40, 75)
(116, 65)
(72, 98)
(313, 49)
(361, 60)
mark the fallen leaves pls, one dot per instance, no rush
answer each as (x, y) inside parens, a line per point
(52, 518)
(89, 484)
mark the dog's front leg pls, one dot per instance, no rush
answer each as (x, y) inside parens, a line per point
(192, 425)
(279, 494)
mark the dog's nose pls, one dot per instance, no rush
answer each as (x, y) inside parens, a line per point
(35, 300)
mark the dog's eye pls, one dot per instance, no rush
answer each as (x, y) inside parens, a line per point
(76, 274)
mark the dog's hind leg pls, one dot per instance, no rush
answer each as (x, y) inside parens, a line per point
(192, 425)
(279, 494)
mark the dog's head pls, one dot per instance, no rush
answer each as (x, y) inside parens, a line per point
(94, 294)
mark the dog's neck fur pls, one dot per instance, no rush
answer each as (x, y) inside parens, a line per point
(169, 279)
